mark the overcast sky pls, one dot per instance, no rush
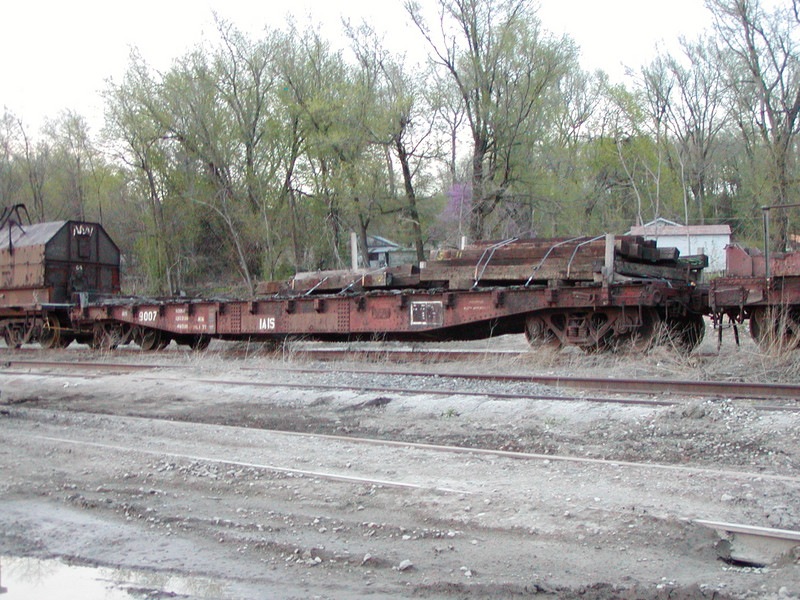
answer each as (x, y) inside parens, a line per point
(57, 54)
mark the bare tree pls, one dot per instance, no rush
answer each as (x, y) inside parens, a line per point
(764, 74)
(502, 63)
(405, 123)
(318, 93)
(36, 158)
(697, 115)
(143, 150)
(9, 180)
(75, 150)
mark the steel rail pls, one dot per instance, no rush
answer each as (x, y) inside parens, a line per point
(85, 365)
(728, 389)
(484, 394)
(381, 389)
(440, 448)
(274, 468)
(731, 389)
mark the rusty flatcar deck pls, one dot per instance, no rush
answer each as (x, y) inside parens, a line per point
(410, 314)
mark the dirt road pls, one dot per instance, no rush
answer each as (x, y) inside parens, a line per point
(153, 472)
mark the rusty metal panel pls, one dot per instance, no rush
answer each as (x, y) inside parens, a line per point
(322, 315)
(147, 315)
(410, 312)
(738, 262)
(759, 265)
(471, 307)
(81, 257)
(254, 317)
(342, 317)
(786, 264)
(309, 315)
(23, 267)
(750, 262)
(229, 318)
(28, 298)
(191, 318)
(782, 291)
(272, 316)
(727, 294)
(64, 256)
(734, 292)
(233, 315)
(176, 317)
(378, 313)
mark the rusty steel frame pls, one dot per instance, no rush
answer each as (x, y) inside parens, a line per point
(738, 297)
(408, 314)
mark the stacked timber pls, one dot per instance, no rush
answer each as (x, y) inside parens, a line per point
(550, 261)
(561, 260)
(326, 282)
(517, 262)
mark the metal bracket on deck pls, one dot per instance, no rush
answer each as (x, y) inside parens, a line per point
(486, 258)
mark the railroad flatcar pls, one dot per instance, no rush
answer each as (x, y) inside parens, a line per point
(60, 281)
(595, 293)
(44, 268)
(762, 289)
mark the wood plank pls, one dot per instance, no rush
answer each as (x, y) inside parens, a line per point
(668, 253)
(647, 271)
(337, 280)
(513, 273)
(514, 255)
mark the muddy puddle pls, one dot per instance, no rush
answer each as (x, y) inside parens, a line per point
(36, 579)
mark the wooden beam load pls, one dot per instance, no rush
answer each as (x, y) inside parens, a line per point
(557, 260)
(539, 261)
(317, 282)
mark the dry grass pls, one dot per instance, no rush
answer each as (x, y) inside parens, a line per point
(775, 362)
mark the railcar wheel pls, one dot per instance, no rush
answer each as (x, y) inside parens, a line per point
(54, 334)
(686, 332)
(642, 337)
(17, 333)
(151, 340)
(108, 336)
(14, 337)
(778, 327)
(759, 327)
(599, 332)
(539, 334)
(199, 342)
(195, 341)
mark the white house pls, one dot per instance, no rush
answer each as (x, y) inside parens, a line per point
(689, 239)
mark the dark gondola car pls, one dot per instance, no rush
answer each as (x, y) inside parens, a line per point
(43, 268)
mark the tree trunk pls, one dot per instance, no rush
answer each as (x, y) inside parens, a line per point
(411, 199)
(478, 208)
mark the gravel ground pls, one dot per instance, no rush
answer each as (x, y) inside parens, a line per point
(157, 471)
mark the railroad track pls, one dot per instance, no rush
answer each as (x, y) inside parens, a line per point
(724, 389)
(426, 391)
(177, 379)
(397, 390)
(731, 474)
(728, 389)
(569, 493)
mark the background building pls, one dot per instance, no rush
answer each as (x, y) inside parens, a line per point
(689, 239)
